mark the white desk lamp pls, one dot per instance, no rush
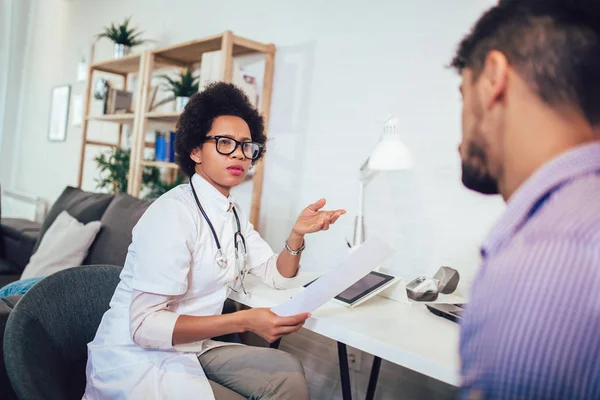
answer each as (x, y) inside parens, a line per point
(390, 154)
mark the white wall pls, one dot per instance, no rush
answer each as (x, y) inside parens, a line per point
(340, 69)
(14, 34)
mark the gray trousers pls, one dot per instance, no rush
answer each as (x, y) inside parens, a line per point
(245, 372)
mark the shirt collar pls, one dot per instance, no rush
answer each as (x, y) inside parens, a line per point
(567, 166)
(211, 195)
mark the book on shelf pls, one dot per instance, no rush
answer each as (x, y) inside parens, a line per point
(165, 147)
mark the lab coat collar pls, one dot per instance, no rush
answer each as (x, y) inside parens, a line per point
(211, 195)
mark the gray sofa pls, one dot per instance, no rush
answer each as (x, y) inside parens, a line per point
(19, 239)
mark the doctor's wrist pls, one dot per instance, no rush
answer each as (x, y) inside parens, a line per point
(240, 321)
(295, 240)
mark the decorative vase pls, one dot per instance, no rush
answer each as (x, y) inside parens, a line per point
(180, 102)
(121, 50)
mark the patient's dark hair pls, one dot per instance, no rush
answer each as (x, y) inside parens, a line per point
(553, 44)
(217, 99)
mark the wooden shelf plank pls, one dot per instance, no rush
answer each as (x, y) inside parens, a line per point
(160, 164)
(249, 45)
(123, 66)
(163, 116)
(97, 143)
(191, 52)
(107, 144)
(120, 66)
(119, 118)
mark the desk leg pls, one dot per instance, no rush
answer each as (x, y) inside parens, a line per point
(344, 371)
(275, 344)
(373, 378)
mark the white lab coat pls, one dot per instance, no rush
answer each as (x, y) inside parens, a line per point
(172, 253)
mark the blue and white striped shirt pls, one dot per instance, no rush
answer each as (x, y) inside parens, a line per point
(532, 326)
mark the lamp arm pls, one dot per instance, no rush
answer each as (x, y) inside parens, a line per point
(366, 174)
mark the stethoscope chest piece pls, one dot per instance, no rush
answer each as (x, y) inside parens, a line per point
(221, 259)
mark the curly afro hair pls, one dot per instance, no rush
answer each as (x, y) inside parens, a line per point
(217, 99)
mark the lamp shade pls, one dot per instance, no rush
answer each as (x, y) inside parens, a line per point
(390, 154)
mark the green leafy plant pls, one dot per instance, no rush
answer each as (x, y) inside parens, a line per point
(114, 168)
(185, 86)
(159, 186)
(122, 34)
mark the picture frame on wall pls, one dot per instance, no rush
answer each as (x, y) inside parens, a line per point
(59, 113)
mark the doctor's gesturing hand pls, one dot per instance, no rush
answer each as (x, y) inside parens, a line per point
(312, 219)
(263, 321)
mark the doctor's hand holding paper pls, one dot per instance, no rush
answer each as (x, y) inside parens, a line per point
(190, 249)
(263, 321)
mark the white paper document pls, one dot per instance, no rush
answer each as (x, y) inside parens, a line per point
(363, 260)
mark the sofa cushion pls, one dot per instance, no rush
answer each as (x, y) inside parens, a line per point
(8, 268)
(84, 206)
(65, 245)
(17, 238)
(15, 227)
(6, 279)
(111, 244)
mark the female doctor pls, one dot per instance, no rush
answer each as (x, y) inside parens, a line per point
(190, 248)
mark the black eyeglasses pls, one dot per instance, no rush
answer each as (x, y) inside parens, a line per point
(226, 146)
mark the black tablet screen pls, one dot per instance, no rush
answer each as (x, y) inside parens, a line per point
(367, 284)
(372, 281)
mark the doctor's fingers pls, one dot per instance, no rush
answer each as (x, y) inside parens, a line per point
(286, 330)
(291, 321)
(336, 214)
(331, 214)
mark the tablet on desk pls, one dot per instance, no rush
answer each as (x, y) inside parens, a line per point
(364, 289)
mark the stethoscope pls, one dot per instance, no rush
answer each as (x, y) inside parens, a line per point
(220, 258)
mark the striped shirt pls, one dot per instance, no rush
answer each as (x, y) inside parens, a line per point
(532, 326)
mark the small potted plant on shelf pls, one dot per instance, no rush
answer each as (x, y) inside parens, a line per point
(123, 37)
(114, 170)
(182, 88)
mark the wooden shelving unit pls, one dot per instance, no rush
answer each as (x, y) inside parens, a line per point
(159, 164)
(181, 55)
(163, 116)
(119, 118)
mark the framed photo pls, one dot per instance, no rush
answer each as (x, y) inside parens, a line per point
(59, 113)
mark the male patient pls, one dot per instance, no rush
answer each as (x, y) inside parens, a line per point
(531, 132)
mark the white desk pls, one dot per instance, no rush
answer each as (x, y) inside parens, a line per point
(407, 335)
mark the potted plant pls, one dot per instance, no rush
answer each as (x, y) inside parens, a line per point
(123, 37)
(114, 167)
(182, 88)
